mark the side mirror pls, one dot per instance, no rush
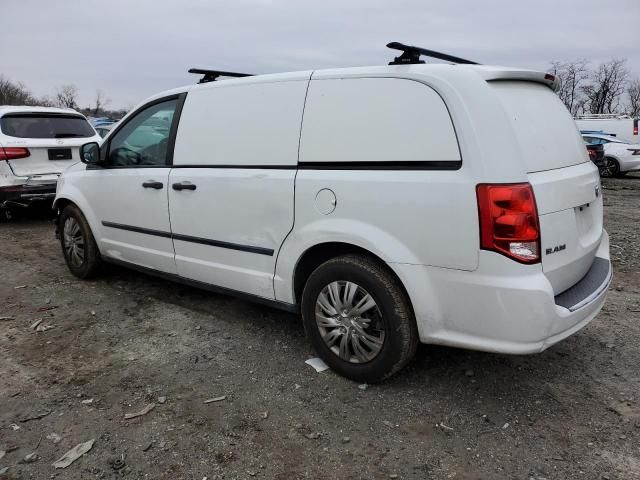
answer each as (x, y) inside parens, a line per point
(90, 153)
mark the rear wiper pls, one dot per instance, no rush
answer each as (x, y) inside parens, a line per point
(67, 135)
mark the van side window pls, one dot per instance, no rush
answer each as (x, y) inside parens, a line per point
(143, 140)
(369, 120)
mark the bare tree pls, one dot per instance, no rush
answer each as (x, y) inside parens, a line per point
(101, 102)
(14, 93)
(573, 76)
(67, 96)
(633, 91)
(607, 87)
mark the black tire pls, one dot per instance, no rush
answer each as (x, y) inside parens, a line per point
(394, 314)
(610, 168)
(6, 215)
(10, 215)
(91, 261)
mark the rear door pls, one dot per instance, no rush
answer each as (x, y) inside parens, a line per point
(231, 196)
(53, 140)
(566, 184)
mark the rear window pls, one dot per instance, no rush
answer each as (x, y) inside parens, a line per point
(31, 125)
(544, 128)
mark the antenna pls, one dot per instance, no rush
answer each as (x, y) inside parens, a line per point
(212, 75)
(411, 55)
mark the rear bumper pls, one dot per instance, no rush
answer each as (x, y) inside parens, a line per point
(502, 306)
(17, 196)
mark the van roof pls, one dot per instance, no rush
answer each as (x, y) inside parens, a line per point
(415, 71)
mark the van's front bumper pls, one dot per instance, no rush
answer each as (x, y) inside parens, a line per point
(502, 306)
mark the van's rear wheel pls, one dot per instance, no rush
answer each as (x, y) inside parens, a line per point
(358, 318)
(610, 168)
(78, 245)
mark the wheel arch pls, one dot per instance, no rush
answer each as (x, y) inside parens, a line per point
(317, 254)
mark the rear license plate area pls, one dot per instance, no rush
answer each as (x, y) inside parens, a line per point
(59, 154)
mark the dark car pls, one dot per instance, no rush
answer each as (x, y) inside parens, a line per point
(596, 154)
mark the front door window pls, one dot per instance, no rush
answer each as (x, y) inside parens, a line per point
(143, 140)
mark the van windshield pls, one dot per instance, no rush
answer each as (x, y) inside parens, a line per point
(44, 125)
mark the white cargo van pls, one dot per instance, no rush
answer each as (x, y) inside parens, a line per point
(389, 205)
(623, 127)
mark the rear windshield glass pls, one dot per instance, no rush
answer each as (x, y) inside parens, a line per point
(29, 125)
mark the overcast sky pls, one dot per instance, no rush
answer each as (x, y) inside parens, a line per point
(131, 49)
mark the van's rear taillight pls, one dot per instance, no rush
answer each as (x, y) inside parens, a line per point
(12, 153)
(635, 126)
(509, 221)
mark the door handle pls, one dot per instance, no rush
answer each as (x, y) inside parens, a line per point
(183, 186)
(153, 184)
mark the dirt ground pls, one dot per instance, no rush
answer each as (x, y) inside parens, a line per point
(120, 343)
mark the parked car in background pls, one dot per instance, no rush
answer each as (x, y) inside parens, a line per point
(622, 127)
(620, 157)
(385, 215)
(596, 155)
(36, 145)
(103, 129)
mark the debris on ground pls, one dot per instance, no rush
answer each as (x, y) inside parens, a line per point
(88, 401)
(162, 400)
(30, 458)
(20, 286)
(54, 437)
(43, 328)
(313, 435)
(6, 319)
(264, 415)
(118, 463)
(73, 454)
(14, 427)
(388, 423)
(144, 411)
(35, 324)
(444, 427)
(346, 439)
(147, 446)
(318, 364)
(46, 308)
(216, 399)
(35, 416)
(363, 386)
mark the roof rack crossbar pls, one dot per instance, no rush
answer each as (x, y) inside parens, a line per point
(212, 75)
(411, 55)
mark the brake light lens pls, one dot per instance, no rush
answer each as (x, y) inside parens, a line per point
(509, 221)
(12, 153)
(635, 126)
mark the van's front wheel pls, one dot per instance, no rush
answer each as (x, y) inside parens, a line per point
(358, 318)
(78, 245)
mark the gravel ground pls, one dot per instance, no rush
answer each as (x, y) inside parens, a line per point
(125, 341)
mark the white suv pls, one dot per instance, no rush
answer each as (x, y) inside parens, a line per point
(36, 145)
(443, 204)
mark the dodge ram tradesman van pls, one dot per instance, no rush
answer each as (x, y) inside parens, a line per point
(443, 204)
